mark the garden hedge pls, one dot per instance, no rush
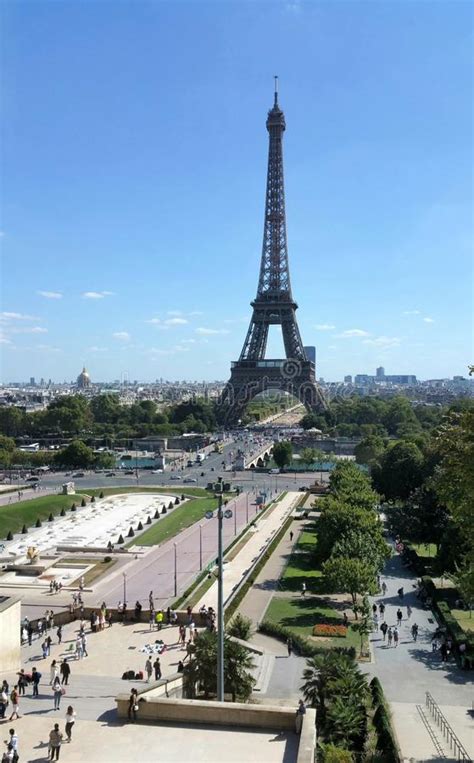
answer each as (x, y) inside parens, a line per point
(302, 645)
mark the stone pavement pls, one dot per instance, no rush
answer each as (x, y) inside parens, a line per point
(411, 669)
(264, 531)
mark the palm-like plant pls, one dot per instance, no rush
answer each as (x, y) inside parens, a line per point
(345, 722)
(321, 670)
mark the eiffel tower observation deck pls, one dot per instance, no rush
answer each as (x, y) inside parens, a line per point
(253, 373)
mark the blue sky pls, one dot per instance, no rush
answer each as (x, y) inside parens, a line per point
(134, 164)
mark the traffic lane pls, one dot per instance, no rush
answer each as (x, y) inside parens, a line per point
(156, 572)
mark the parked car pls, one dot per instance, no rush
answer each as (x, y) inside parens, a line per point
(32, 479)
(110, 474)
(189, 480)
(76, 475)
(129, 471)
(157, 471)
(175, 477)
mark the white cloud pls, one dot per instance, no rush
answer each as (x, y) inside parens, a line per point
(324, 327)
(4, 339)
(383, 342)
(154, 321)
(207, 332)
(176, 321)
(50, 294)
(36, 330)
(96, 294)
(189, 341)
(351, 333)
(94, 348)
(121, 336)
(196, 312)
(428, 320)
(174, 312)
(47, 348)
(411, 312)
(17, 317)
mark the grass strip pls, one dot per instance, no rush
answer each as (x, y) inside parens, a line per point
(13, 516)
(179, 519)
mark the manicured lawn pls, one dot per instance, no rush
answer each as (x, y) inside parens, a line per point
(181, 517)
(425, 549)
(462, 616)
(13, 516)
(301, 614)
(300, 567)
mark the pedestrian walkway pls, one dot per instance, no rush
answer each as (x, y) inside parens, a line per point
(264, 531)
(411, 669)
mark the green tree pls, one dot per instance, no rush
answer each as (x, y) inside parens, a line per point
(353, 576)
(400, 471)
(282, 453)
(365, 623)
(76, 455)
(308, 456)
(240, 627)
(7, 443)
(463, 579)
(12, 421)
(238, 663)
(370, 449)
(69, 414)
(331, 753)
(421, 519)
(106, 409)
(104, 461)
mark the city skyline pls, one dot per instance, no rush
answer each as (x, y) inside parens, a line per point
(122, 245)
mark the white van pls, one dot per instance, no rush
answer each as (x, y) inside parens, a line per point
(274, 471)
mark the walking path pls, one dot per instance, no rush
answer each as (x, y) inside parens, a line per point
(411, 669)
(264, 531)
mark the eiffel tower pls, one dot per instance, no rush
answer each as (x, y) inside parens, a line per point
(252, 374)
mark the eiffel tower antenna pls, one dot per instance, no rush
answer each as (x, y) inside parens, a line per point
(274, 303)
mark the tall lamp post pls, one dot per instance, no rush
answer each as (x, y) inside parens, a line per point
(200, 548)
(124, 587)
(220, 606)
(175, 570)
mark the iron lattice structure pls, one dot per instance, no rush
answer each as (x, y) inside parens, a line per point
(274, 304)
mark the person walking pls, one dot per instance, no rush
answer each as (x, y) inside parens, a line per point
(58, 692)
(384, 588)
(3, 703)
(35, 679)
(182, 636)
(376, 621)
(65, 670)
(395, 636)
(400, 593)
(399, 617)
(157, 669)
(384, 629)
(291, 536)
(70, 721)
(85, 653)
(390, 636)
(133, 706)
(148, 669)
(300, 712)
(59, 633)
(55, 739)
(303, 589)
(414, 631)
(22, 682)
(15, 700)
(382, 610)
(374, 608)
(53, 672)
(78, 653)
(151, 621)
(289, 647)
(409, 611)
(444, 652)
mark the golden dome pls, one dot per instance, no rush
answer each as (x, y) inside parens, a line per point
(83, 380)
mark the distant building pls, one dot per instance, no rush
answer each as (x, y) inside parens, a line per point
(32, 381)
(348, 379)
(380, 372)
(401, 379)
(310, 353)
(83, 380)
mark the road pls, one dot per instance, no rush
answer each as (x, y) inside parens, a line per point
(209, 471)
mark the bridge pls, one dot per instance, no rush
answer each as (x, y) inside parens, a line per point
(253, 460)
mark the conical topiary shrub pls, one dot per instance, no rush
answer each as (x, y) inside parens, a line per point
(83, 502)
(93, 499)
(164, 510)
(73, 507)
(157, 514)
(38, 522)
(10, 535)
(120, 540)
(62, 513)
(170, 505)
(101, 494)
(24, 530)
(130, 533)
(148, 520)
(183, 497)
(51, 518)
(176, 501)
(139, 526)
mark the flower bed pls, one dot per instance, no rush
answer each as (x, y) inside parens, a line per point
(333, 631)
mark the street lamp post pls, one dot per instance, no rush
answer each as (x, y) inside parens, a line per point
(220, 608)
(124, 587)
(175, 570)
(247, 507)
(200, 548)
